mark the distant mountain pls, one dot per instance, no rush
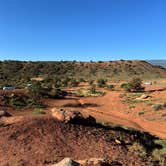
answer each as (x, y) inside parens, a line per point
(158, 62)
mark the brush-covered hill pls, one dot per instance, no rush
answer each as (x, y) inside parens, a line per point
(23, 71)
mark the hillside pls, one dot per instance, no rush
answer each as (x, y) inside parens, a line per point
(16, 71)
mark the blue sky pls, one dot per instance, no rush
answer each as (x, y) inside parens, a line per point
(82, 29)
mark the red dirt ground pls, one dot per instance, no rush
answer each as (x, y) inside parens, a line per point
(41, 141)
(111, 109)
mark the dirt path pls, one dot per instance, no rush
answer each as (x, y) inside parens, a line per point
(111, 109)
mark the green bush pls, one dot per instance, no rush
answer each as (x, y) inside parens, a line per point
(138, 149)
(123, 85)
(35, 91)
(141, 113)
(135, 85)
(93, 89)
(157, 107)
(110, 87)
(164, 104)
(88, 92)
(91, 82)
(38, 111)
(159, 154)
(101, 82)
(73, 82)
(54, 93)
(20, 101)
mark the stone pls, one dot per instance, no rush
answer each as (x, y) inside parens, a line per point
(72, 116)
(67, 162)
(143, 97)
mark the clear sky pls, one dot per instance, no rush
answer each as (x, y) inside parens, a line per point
(82, 29)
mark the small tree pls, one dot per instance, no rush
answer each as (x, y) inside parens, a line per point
(90, 82)
(135, 85)
(93, 89)
(101, 82)
(73, 82)
(35, 91)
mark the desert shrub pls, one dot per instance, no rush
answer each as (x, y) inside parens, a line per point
(101, 82)
(122, 95)
(137, 148)
(54, 93)
(110, 87)
(32, 103)
(38, 111)
(163, 115)
(88, 92)
(91, 82)
(159, 154)
(14, 100)
(132, 106)
(46, 90)
(123, 85)
(20, 101)
(157, 107)
(164, 104)
(141, 113)
(17, 164)
(135, 85)
(81, 80)
(35, 91)
(73, 82)
(92, 89)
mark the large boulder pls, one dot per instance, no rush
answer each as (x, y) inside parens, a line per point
(72, 116)
(67, 162)
(58, 114)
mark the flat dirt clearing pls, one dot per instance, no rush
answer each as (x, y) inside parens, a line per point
(112, 108)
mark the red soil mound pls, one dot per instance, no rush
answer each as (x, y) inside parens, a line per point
(42, 141)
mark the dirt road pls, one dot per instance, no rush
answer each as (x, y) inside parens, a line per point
(110, 109)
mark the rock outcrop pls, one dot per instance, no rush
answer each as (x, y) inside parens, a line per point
(87, 162)
(72, 116)
(67, 162)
